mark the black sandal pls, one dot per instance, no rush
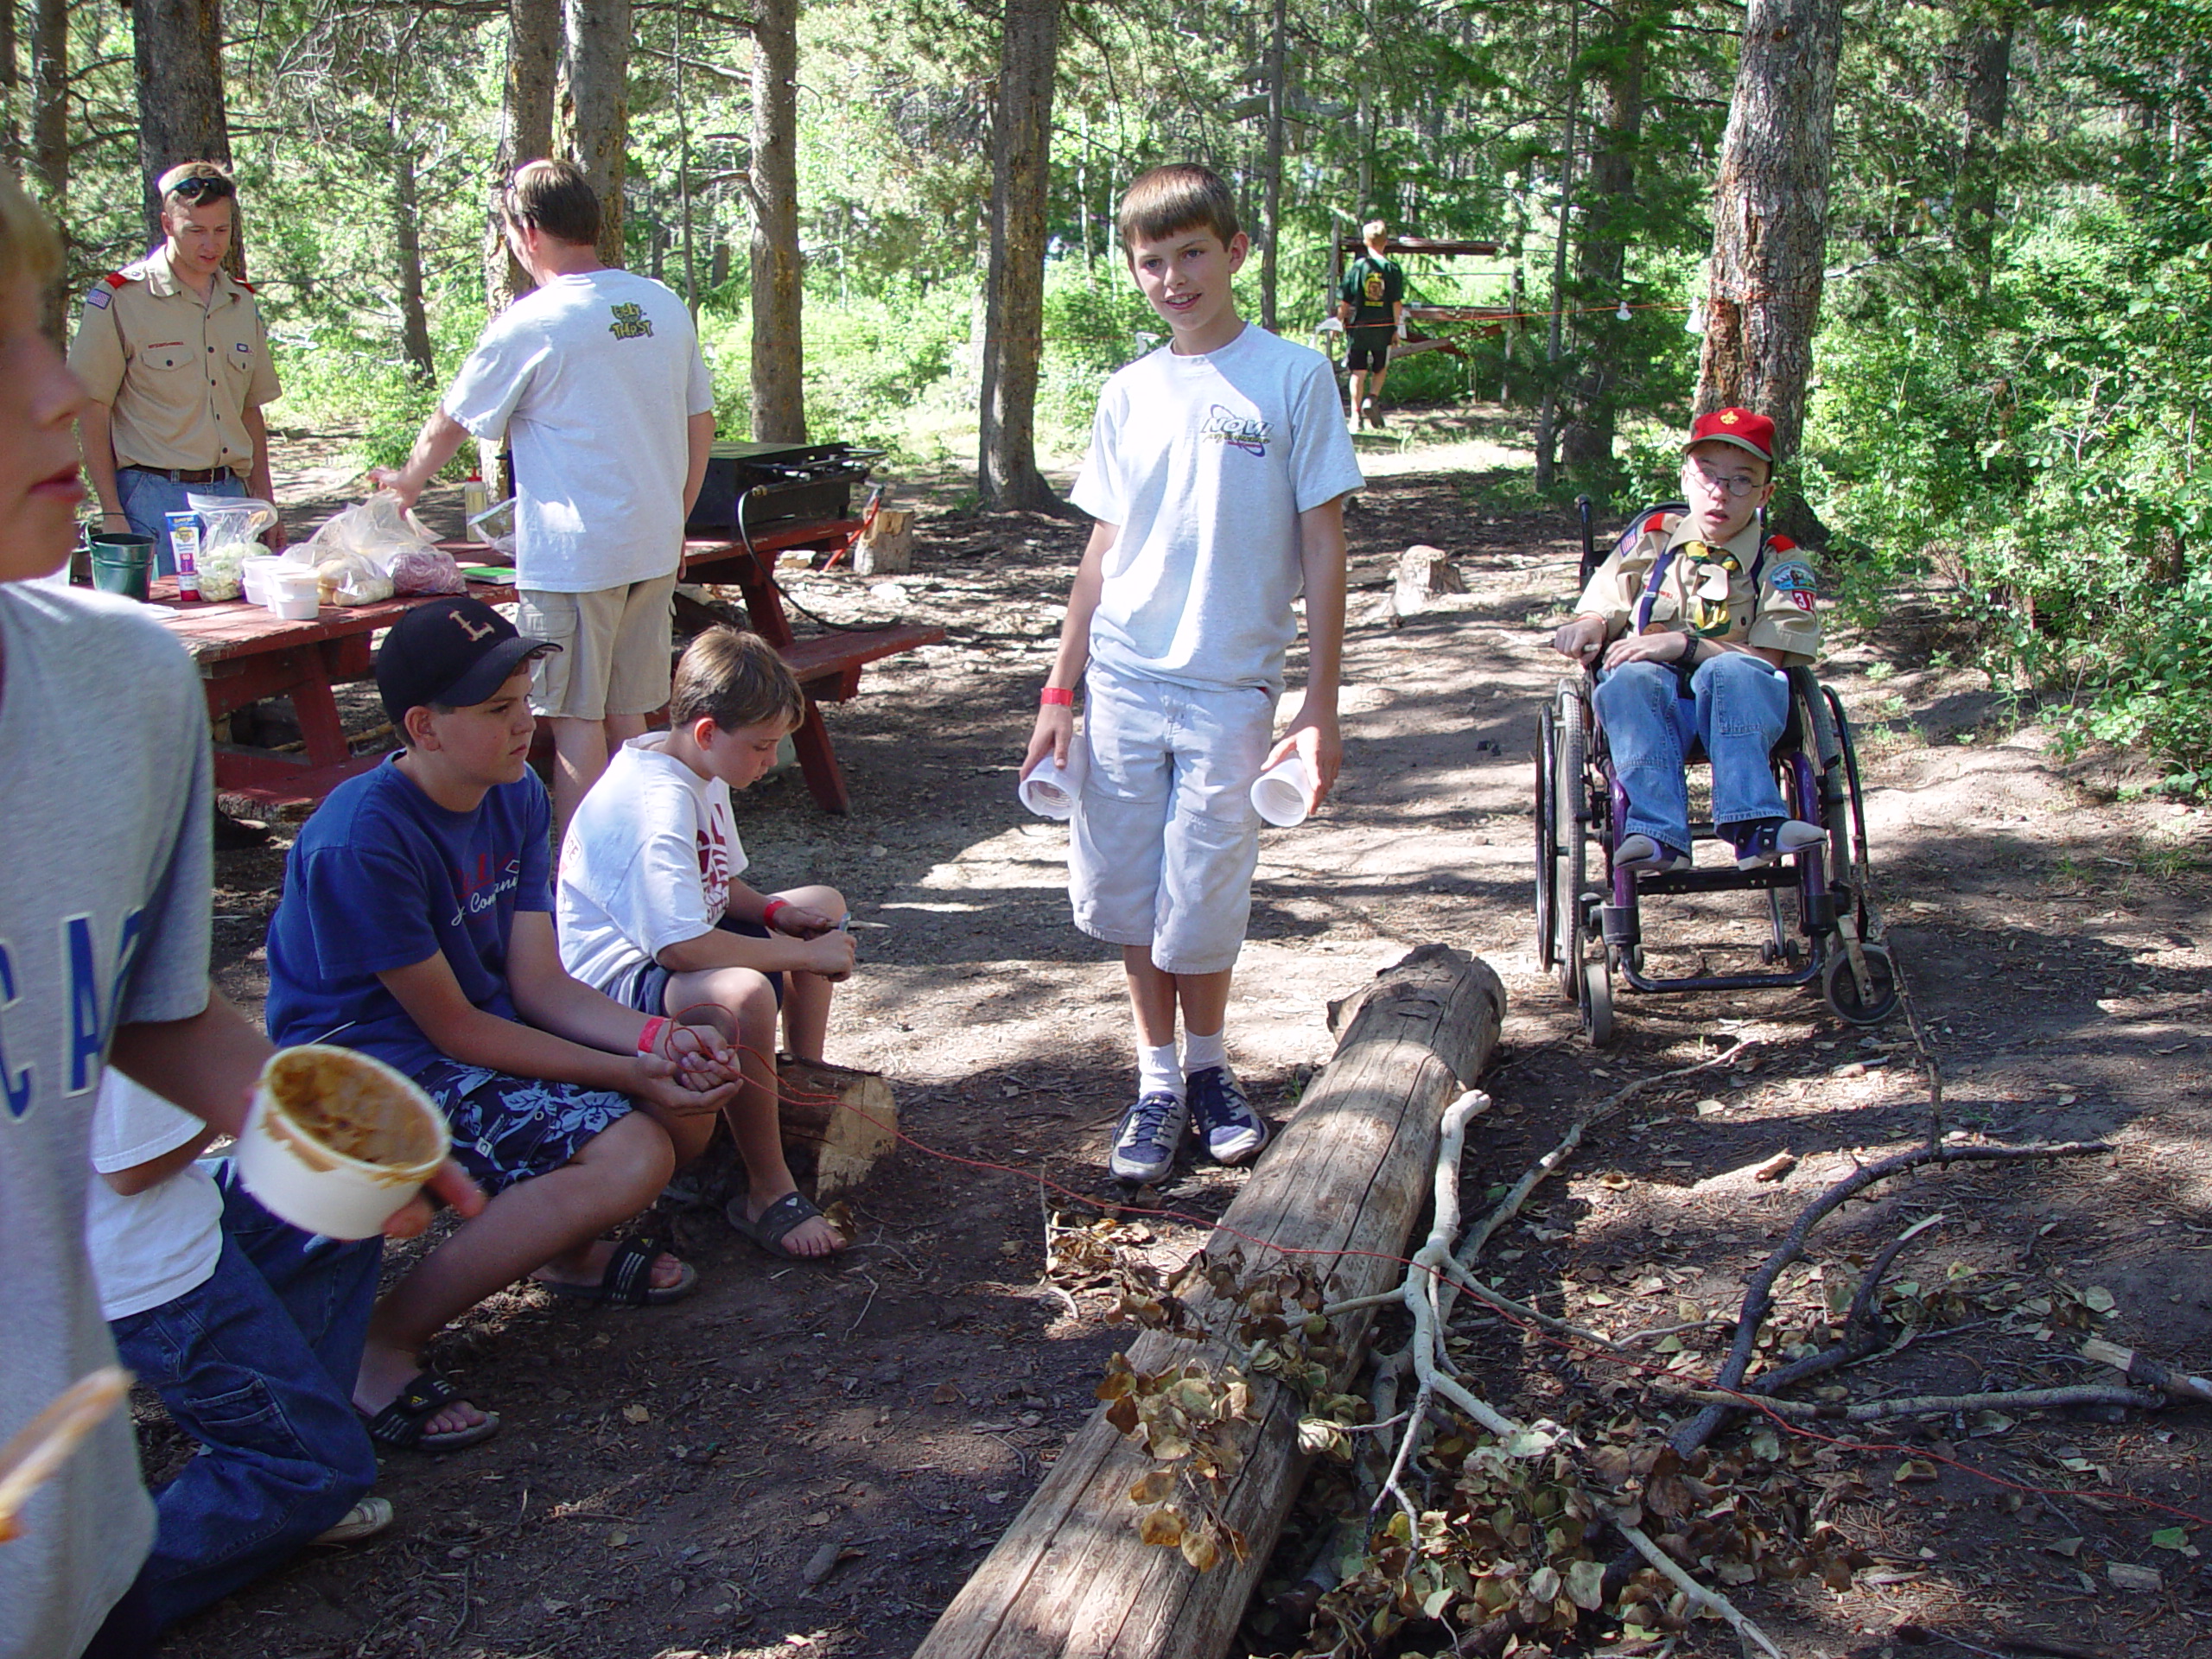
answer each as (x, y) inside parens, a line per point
(401, 1423)
(1761, 841)
(628, 1280)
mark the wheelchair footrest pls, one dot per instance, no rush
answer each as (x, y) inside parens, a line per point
(1783, 874)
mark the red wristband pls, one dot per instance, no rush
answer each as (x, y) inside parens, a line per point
(768, 911)
(649, 1038)
(1058, 695)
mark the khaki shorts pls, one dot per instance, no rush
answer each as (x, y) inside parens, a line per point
(616, 646)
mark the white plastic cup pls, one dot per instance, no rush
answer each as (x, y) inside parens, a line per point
(1279, 794)
(293, 593)
(337, 1140)
(1051, 789)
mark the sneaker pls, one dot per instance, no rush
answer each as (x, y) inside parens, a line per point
(1642, 855)
(364, 1520)
(1145, 1145)
(1763, 840)
(1232, 1131)
(1376, 419)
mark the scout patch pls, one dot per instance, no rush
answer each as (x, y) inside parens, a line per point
(1794, 577)
(96, 299)
(1801, 599)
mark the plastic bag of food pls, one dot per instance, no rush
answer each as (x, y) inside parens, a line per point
(222, 567)
(227, 518)
(427, 570)
(377, 529)
(352, 579)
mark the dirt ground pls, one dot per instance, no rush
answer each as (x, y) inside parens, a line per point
(811, 1460)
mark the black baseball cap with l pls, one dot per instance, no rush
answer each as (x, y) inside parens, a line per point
(456, 651)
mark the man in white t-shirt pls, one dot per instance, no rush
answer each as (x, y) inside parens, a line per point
(250, 1331)
(596, 379)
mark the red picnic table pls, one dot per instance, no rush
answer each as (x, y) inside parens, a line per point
(247, 655)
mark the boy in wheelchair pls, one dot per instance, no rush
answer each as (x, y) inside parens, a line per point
(1695, 620)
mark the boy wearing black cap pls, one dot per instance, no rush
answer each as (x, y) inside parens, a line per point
(416, 925)
(1702, 615)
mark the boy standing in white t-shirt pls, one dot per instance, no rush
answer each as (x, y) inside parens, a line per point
(1218, 471)
(651, 910)
(250, 1331)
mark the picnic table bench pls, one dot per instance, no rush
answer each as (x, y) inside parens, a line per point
(246, 655)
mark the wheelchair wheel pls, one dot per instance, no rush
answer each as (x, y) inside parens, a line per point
(1570, 860)
(1598, 1004)
(1547, 841)
(1841, 986)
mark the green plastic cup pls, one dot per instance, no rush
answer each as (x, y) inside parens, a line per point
(122, 564)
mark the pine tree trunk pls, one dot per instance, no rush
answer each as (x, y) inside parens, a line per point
(1547, 438)
(49, 128)
(11, 137)
(1272, 182)
(599, 108)
(1609, 209)
(525, 135)
(178, 50)
(1770, 214)
(407, 239)
(1988, 46)
(778, 357)
(1013, 326)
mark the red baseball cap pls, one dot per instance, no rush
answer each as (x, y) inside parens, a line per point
(1747, 431)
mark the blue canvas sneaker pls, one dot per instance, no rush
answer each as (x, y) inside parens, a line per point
(1144, 1147)
(1232, 1131)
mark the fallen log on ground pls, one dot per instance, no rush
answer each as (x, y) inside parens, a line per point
(1340, 1189)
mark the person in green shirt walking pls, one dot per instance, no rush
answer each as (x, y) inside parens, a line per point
(1371, 305)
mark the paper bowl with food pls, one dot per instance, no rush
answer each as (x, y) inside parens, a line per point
(337, 1140)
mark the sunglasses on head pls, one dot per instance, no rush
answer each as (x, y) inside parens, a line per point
(203, 187)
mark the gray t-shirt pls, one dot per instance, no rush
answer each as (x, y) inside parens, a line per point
(593, 379)
(103, 920)
(1204, 464)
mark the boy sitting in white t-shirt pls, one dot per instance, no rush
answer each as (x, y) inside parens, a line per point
(250, 1331)
(651, 910)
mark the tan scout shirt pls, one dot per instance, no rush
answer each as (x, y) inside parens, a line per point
(1709, 591)
(178, 376)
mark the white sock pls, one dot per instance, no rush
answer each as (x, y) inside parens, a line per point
(1157, 1072)
(1199, 1052)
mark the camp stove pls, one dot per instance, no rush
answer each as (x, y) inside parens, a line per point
(777, 487)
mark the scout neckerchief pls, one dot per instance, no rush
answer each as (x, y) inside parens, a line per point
(1703, 620)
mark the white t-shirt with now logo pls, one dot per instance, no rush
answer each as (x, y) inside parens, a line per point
(647, 864)
(593, 379)
(1204, 463)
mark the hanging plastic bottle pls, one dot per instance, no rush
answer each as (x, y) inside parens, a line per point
(1622, 315)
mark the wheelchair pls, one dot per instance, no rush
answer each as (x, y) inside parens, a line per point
(1590, 916)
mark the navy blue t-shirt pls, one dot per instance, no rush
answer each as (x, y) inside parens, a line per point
(383, 877)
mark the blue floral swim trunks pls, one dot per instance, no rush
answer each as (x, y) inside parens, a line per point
(507, 1129)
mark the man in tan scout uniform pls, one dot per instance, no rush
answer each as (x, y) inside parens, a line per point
(173, 354)
(1697, 617)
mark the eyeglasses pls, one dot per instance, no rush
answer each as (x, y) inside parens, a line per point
(1736, 487)
(203, 187)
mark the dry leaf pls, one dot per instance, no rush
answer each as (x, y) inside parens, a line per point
(636, 1415)
(1153, 1488)
(1162, 1525)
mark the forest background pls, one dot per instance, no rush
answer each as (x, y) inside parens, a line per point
(2015, 295)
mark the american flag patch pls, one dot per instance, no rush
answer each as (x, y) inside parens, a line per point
(98, 297)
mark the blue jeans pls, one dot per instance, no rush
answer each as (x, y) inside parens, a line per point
(258, 1365)
(1738, 706)
(146, 497)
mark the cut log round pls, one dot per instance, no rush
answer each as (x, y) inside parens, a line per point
(1340, 1188)
(838, 1124)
